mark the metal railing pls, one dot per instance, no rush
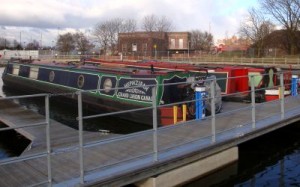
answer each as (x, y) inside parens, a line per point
(215, 134)
(179, 59)
(46, 123)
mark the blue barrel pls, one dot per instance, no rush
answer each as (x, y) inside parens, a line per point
(200, 103)
(294, 86)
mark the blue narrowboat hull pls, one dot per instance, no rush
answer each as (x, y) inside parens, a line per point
(103, 91)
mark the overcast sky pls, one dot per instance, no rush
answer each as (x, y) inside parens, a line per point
(43, 20)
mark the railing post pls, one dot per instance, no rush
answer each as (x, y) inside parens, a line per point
(80, 131)
(213, 109)
(47, 118)
(154, 112)
(282, 95)
(253, 101)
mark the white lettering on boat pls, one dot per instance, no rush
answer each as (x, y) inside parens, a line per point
(137, 90)
(137, 83)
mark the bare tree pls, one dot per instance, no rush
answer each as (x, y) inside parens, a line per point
(65, 42)
(255, 27)
(16, 45)
(153, 23)
(4, 43)
(107, 32)
(164, 24)
(149, 23)
(34, 45)
(128, 26)
(82, 43)
(201, 40)
(101, 32)
(287, 13)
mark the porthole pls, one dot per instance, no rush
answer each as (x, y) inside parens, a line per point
(80, 81)
(51, 76)
(107, 85)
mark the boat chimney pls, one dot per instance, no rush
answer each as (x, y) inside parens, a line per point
(152, 69)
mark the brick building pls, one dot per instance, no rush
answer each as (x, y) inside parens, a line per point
(178, 41)
(153, 43)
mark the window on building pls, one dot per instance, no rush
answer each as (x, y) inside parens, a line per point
(181, 43)
(172, 46)
(134, 47)
(124, 47)
(144, 47)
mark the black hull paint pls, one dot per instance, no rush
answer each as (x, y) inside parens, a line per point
(90, 102)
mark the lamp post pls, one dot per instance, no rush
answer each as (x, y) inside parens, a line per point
(188, 50)
(52, 49)
(155, 52)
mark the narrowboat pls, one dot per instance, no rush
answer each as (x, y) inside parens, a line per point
(233, 80)
(110, 89)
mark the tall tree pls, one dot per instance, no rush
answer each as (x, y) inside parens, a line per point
(82, 43)
(157, 26)
(4, 43)
(65, 42)
(151, 23)
(128, 26)
(34, 45)
(287, 13)
(16, 45)
(107, 32)
(256, 27)
(201, 40)
(164, 24)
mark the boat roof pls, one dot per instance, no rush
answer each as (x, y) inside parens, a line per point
(96, 67)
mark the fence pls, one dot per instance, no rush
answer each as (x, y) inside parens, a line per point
(181, 58)
(152, 140)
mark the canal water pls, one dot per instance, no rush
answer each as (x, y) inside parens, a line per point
(271, 160)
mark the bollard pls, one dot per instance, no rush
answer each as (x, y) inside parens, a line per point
(184, 112)
(294, 86)
(200, 107)
(175, 114)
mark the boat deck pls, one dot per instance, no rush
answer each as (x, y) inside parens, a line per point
(127, 153)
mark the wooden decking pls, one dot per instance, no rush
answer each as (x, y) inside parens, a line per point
(128, 153)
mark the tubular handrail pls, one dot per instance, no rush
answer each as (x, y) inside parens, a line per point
(80, 148)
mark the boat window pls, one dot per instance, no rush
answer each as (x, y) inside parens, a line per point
(107, 85)
(257, 78)
(51, 76)
(16, 69)
(33, 72)
(80, 81)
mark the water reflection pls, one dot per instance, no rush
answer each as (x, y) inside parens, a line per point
(271, 160)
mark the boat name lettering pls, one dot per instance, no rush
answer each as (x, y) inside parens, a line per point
(134, 96)
(138, 90)
(135, 90)
(136, 83)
